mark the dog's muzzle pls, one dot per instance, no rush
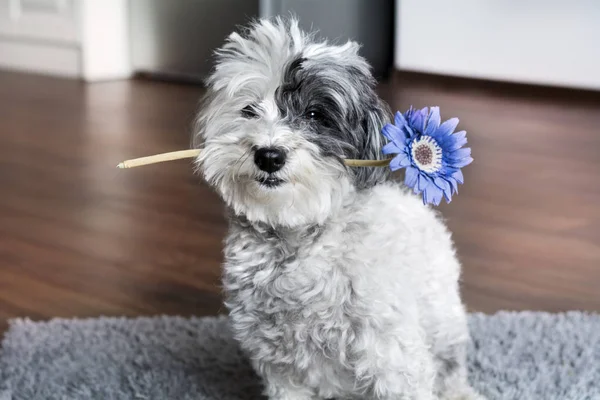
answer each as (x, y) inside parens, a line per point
(269, 160)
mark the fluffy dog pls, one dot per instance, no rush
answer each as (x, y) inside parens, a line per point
(340, 283)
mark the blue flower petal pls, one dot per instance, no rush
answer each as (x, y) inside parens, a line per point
(453, 184)
(433, 122)
(416, 120)
(441, 183)
(408, 115)
(400, 161)
(424, 113)
(445, 186)
(459, 154)
(432, 194)
(457, 163)
(410, 179)
(448, 197)
(446, 128)
(393, 133)
(392, 148)
(399, 119)
(423, 182)
(437, 196)
(464, 162)
(455, 141)
(458, 175)
(427, 196)
(408, 131)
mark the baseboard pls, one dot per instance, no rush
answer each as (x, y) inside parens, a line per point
(500, 87)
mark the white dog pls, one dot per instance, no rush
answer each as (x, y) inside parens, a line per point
(340, 284)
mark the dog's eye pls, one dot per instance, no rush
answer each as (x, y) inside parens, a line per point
(314, 115)
(249, 112)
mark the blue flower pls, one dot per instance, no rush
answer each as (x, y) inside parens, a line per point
(432, 153)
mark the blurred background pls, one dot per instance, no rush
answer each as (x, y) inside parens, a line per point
(85, 84)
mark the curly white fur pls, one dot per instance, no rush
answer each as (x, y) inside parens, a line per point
(340, 284)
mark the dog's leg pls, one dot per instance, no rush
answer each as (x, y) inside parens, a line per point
(451, 379)
(401, 369)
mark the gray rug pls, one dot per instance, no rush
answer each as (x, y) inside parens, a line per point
(514, 356)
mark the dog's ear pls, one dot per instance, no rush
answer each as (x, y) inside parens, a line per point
(373, 114)
(197, 139)
(376, 115)
(202, 116)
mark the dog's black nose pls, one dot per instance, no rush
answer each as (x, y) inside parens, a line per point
(269, 159)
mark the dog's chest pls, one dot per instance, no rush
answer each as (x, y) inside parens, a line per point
(291, 268)
(288, 296)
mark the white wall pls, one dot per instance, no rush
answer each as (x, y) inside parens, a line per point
(76, 38)
(554, 42)
(40, 36)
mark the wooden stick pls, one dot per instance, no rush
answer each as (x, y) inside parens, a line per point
(366, 163)
(174, 155)
(177, 155)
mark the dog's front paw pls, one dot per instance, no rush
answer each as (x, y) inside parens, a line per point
(289, 395)
(288, 392)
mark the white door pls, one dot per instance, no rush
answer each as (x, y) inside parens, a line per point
(553, 42)
(40, 36)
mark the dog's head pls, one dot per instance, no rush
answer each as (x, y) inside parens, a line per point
(281, 113)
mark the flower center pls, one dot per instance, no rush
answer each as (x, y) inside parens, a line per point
(427, 154)
(423, 155)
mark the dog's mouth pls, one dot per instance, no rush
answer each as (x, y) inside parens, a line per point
(269, 181)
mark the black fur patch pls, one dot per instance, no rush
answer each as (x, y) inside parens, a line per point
(335, 107)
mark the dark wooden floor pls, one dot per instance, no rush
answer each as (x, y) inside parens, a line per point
(81, 238)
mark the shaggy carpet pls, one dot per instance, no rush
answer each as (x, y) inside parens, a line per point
(514, 356)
